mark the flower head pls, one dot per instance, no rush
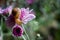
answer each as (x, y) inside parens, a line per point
(10, 22)
(1, 10)
(12, 19)
(17, 30)
(26, 15)
(6, 10)
(29, 1)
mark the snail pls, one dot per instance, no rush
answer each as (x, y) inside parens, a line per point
(16, 13)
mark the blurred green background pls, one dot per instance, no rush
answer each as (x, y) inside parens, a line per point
(46, 25)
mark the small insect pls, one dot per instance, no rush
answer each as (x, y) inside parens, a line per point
(16, 13)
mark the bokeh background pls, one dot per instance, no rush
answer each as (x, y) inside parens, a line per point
(46, 25)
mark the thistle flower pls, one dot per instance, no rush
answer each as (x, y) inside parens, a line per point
(17, 30)
(6, 10)
(1, 10)
(26, 15)
(10, 22)
(11, 19)
(29, 1)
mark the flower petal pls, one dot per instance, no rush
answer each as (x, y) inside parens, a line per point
(26, 15)
(10, 22)
(8, 9)
(29, 1)
(1, 10)
(28, 18)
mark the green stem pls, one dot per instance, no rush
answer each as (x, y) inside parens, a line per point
(23, 37)
(17, 38)
(4, 17)
(1, 28)
(25, 32)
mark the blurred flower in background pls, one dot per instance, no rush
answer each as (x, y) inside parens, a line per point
(6, 10)
(29, 1)
(1, 10)
(10, 22)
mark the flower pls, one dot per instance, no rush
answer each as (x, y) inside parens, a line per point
(1, 10)
(26, 15)
(6, 10)
(10, 22)
(17, 30)
(29, 1)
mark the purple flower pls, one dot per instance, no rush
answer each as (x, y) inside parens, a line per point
(26, 15)
(29, 1)
(17, 30)
(1, 10)
(10, 22)
(6, 10)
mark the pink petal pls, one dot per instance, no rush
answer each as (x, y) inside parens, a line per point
(1, 10)
(28, 18)
(29, 1)
(26, 15)
(8, 9)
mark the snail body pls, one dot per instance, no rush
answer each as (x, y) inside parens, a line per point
(16, 13)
